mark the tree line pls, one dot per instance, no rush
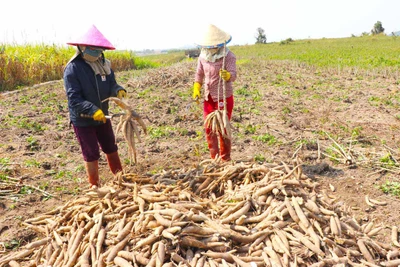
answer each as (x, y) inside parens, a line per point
(261, 37)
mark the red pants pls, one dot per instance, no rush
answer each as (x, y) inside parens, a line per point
(90, 137)
(224, 148)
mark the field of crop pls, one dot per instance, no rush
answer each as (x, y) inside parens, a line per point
(314, 177)
(33, 64)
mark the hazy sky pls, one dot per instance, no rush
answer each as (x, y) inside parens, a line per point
(159, 24)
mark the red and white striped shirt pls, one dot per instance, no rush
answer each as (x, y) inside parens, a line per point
(207, 74)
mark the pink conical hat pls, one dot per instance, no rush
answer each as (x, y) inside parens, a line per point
(93, 37)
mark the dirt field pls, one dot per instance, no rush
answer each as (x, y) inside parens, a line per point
(282, 110)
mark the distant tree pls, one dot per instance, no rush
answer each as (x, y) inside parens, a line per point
(396, 33)
(364, 34)
(377, 28)
(260, 37)
(287, 41)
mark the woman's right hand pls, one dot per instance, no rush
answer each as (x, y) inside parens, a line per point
(99, 116)
(196, 90)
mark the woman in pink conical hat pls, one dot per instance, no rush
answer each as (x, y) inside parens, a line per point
(216, 62)
(88, 80)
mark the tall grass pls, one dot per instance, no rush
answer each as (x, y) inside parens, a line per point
(29, 64)
(32, 64)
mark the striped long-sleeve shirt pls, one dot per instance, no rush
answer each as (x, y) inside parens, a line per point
(207, 74)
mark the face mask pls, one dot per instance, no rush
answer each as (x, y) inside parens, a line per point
(91, 53)
(213, 54)
(213, 50)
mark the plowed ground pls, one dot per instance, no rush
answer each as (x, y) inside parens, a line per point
(282, 110)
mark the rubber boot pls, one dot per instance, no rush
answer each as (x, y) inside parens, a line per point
(225, 148)
(212, 141)
(114, 162)
(92, 170)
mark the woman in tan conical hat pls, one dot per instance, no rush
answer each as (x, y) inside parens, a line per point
(88, 80)
(215, 62)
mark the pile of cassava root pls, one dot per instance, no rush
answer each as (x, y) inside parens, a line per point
(217, 214)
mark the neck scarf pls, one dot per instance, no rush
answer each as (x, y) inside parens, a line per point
(99, 67)
(208, 56)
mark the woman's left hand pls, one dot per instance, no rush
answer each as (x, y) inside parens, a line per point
(224, 74)
(121, 94)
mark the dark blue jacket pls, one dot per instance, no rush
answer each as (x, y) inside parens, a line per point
(85, 91)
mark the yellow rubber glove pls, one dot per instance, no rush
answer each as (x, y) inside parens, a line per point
(196, 90)
(121, 94)
(224, 74)
(99, 116)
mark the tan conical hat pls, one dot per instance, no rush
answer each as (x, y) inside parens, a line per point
(214, 37)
